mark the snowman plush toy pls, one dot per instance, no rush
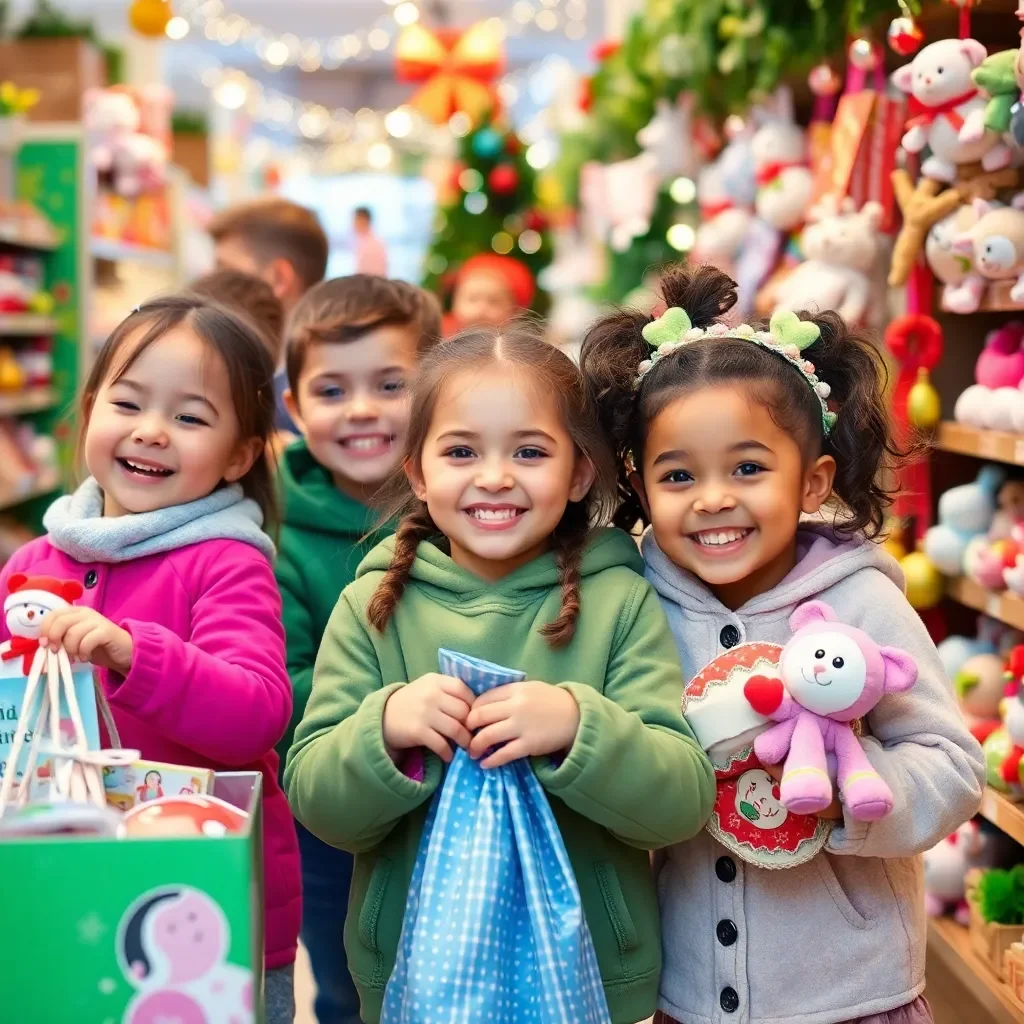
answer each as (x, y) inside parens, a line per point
(29, 600)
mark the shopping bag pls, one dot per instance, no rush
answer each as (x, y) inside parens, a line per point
(494, 929)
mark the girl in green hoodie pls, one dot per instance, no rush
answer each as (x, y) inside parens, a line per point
(496, 556)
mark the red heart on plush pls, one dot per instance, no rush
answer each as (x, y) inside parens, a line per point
(763, 693)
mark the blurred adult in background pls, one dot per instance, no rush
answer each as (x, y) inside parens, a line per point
(371, 254)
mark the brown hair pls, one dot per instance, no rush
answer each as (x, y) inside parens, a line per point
(249, 296)
(250, 373)
(520, 346)
(344, 308)
(861, 440)
(277, 229)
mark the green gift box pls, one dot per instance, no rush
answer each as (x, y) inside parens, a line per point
(135, 931)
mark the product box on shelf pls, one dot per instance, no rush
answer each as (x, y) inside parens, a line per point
(62, 69)
(138, 930)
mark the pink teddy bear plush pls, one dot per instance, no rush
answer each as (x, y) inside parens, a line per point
(832, 674)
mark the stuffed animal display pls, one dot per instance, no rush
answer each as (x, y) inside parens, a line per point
(840, 246)
(965, 512)
(831, 675)
(785, 184)
(945, 866)
(994, 244)
(939, 79)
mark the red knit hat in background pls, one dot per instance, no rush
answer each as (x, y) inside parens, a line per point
(516, 275)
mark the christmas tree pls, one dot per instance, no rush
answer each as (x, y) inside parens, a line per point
(490, 206)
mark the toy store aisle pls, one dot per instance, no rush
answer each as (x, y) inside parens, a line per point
(305, 991)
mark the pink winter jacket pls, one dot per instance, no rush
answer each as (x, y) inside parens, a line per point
(208, 684)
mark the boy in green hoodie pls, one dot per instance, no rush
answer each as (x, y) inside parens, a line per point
(353, 344)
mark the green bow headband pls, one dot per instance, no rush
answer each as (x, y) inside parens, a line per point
(787, 336)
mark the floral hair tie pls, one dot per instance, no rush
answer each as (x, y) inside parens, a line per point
(787, 336)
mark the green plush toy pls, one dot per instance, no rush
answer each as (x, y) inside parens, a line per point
(997, 76)
(1000, 895)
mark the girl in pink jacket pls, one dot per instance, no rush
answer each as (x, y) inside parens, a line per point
(180, 612)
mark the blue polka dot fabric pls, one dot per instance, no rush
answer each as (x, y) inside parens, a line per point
(494, 931)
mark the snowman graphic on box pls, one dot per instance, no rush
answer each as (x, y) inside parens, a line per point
(748, 818)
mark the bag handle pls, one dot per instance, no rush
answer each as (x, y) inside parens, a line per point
(78, 771)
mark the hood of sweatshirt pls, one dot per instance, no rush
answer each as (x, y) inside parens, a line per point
(823, 560)
(605, 548)
(312, 501)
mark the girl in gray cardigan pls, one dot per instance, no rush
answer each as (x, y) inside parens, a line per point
(728, 439)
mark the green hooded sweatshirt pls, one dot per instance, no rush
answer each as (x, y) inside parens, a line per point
(634, 779)
(318, 551)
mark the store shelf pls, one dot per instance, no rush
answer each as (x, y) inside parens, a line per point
(18, 324)
(1007, 816)
(982, 444)
(1004, 606)
(950, 944)
(108, 249)
(9, 236)
(38, 491)
(32, 400)
(996, 300)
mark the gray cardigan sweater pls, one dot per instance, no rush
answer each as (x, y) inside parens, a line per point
(842, 936)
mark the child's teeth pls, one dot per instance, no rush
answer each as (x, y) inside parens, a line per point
(720, 538)
(493, 513)
(365, 442)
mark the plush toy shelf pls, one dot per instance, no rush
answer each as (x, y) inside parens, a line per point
(1001, 605)
(109, 249)
(26, 324)
(996, 299)
(30, 400)
(949, 942)
(1007, 816)
(982, 444)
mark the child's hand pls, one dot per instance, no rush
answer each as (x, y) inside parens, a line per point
(88, 636)
(528, 718)
(834, 810)
(428, 712)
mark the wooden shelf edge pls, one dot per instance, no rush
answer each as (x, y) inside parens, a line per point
(108, 249)
(26, 324)
(1007, 816)
(1003, 605)
(30, 400)
(950, 943)
(982, 444)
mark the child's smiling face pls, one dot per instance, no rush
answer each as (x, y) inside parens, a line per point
(352, 405)
(724, 486)
(165, 432)
(497, 469)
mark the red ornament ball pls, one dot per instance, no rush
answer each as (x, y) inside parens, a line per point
(503, 179)
(535, 221)
(905, 36)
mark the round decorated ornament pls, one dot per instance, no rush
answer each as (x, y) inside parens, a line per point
(748, 819)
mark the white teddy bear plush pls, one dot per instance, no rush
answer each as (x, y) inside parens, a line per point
(841, 247)
(785, 183)
(939, 78)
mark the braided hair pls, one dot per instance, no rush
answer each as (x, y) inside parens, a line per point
(519, 346)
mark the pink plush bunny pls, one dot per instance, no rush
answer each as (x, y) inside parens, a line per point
(832, 674)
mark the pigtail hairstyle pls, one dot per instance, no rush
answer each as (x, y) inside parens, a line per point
(861, 440)
(614, 347)
(518, 347)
